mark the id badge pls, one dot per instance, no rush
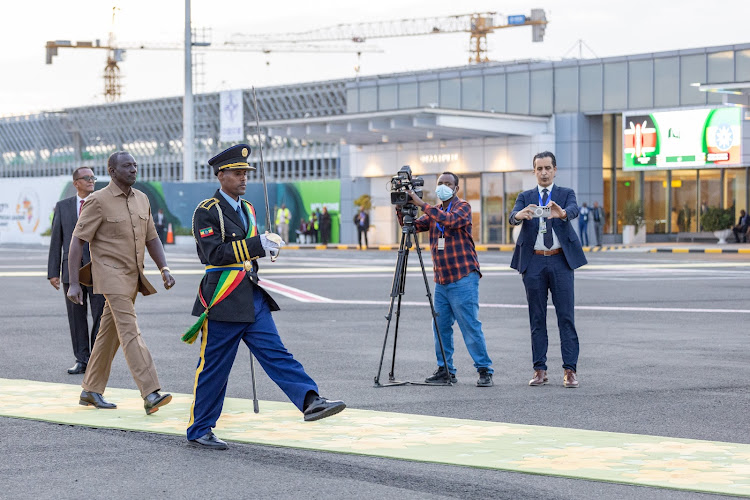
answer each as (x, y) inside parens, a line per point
(441, 243)
(542, 225)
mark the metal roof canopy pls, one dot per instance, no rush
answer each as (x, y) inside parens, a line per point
(734, 93)
(409, 125)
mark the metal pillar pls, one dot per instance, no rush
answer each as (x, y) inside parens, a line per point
(188, 129)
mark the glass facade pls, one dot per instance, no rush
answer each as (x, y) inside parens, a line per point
(493, 195)
(685, 199)
(407, 95)
(672, 199)
(640, 88)
(494, 93)
(471, 93)
(667, 82)
(735, 190)
(655, 209)
(615, 84)
(518, 93)
(541, 92)
(566, 90)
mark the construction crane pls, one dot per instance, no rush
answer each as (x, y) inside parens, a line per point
(116, 54)
(116, 51)
(478, 25)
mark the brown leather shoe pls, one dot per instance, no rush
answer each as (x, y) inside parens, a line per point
(570, 380)
(540, 378)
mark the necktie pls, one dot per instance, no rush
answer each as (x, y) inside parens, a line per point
(239, 214)
(80, 207)
(548, 234)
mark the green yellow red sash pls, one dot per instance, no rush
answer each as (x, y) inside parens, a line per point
(231, 276)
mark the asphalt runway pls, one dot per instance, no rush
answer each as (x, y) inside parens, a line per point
(656, 358)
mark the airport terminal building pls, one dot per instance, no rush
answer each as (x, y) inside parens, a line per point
(666, 130)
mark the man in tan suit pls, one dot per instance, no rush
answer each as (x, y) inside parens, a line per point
(117, 223)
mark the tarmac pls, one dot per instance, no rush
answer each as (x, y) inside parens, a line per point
(661, 411)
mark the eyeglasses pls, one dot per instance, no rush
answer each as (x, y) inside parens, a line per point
(89, 178)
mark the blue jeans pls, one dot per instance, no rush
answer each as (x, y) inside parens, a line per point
(583, 228)
(459, 302)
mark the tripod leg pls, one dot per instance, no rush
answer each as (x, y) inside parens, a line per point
(432, 309)
(404, 258)
(396, 291)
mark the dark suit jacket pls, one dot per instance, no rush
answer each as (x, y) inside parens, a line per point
(367, 220)
(236, 248)
(63, 224)
(571, 245)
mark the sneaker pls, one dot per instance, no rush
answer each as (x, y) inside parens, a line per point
(485, 378)
(441, 377)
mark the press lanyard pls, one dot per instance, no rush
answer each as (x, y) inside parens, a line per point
(440, 228)
(549, 198)
(543, 220)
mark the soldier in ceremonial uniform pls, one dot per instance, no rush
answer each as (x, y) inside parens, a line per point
(232, 307)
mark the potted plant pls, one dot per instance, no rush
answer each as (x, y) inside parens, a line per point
(633, 223)
(718, 221)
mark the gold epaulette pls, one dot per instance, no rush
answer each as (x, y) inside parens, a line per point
(207, 204)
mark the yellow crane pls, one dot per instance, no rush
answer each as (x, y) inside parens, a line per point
(478, 25)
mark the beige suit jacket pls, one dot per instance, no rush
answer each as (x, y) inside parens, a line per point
(117, 228)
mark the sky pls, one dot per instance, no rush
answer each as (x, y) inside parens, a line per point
(608, 28)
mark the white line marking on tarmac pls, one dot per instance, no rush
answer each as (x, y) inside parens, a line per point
(590, 268)
(292, 293)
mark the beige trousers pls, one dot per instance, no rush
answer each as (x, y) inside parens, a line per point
(119, 326)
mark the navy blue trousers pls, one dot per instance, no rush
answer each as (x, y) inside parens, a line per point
(551, 274)
(218, 350)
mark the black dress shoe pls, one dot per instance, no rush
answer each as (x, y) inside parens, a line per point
(77, 368)
(153, 401)
(96, 400)
(322, 408)
(209, 441)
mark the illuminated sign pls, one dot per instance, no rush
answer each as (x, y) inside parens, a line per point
(439, 158)
(695, 138)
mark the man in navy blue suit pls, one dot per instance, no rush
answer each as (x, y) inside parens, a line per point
(546, 253)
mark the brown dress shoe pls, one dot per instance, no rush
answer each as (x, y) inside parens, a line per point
(570, 380)
(540, 378)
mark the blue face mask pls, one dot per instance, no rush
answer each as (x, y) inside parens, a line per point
(444, 192)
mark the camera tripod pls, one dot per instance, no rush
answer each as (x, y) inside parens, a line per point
(408, 233)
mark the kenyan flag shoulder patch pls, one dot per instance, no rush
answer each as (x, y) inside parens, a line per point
(209, 231)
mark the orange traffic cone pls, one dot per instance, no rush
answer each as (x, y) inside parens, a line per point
(170, 235)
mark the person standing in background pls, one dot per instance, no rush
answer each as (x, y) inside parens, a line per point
(362, 221)
(64, 221)
(583, 224)
(160, 223)
(597, 213)
(283, 217)
(325, 226)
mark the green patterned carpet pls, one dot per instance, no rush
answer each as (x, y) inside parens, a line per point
(686, 464)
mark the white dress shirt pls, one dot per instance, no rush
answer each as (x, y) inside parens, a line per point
(539, 244)
(78, 205)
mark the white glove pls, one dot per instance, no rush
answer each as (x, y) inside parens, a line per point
(271, 242)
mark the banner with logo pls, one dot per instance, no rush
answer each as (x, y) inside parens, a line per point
(231, 121)
(26, 206)
(695, 138)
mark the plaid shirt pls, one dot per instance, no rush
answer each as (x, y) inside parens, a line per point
(459, 257)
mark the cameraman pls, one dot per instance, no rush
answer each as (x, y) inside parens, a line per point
(457, 276)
